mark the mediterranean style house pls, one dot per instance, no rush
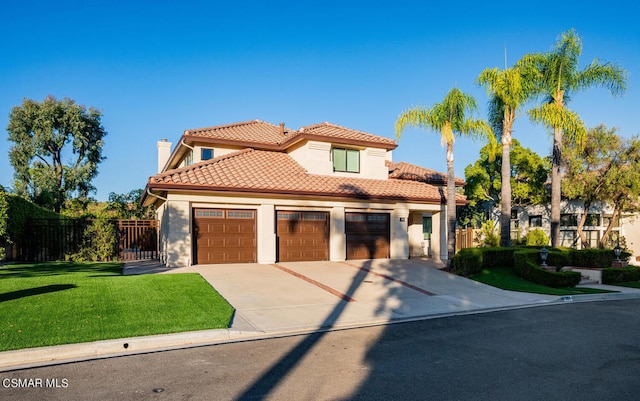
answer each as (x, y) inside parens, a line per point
(256, 192)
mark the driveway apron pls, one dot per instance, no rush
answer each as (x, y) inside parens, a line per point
(293, 296)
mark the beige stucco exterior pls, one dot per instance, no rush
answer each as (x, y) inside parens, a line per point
(176, 224)
(175, 208)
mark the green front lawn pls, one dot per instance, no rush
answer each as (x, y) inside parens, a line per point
(506, 279)
(633, 284)
(63, 303)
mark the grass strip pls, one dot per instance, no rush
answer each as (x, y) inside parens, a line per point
(64, 303)
(504, 278)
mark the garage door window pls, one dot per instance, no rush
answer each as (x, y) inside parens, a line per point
(209, 213)
(240, 215)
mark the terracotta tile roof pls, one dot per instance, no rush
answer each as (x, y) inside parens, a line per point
(255, 131)
(341, 133)
(407, 171)
(258, 171)
(263, 135)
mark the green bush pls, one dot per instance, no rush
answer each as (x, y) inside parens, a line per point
(620, 275)
(99, 242)
(487, 236)
(497, 257)
(600, 258)
(536, 237)
(526, 265)
(4, 216)
(468, 261)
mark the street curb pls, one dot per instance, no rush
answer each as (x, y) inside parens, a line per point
(69, 353)
(58, 354)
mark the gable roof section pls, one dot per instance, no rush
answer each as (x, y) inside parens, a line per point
(264, 172)
(407, 171)
(262, 135)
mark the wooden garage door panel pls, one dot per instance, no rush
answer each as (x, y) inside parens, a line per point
(367, 235)
(303, 236)
(225, 236)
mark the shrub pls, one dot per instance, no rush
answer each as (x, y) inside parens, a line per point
(487, 236)
(620, 275)
(536, 237)
(99, 243)
(467, 262)
(526, 266)
(601, 258)
(4, 216)
(497, 257)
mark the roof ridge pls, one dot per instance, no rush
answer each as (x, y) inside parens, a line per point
(328, 124)
(236, 124)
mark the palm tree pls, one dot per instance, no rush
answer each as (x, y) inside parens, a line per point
(449, 119)
(560, 77)
(509, 90)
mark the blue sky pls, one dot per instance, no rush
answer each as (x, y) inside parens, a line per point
(157, 68)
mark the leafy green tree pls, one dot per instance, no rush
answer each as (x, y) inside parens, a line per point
(449, 119)
(528, 173)
(605, 169)
(57, 146)
(128, 206)
(559, 79)
(509, 90)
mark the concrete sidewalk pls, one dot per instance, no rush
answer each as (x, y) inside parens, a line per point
(302, 297)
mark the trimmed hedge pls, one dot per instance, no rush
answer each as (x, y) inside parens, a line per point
(599, 258)
(526, 266)
(620, 275)
(468, 261)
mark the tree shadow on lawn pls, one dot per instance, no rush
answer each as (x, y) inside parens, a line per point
(9, 296)
(60, 268)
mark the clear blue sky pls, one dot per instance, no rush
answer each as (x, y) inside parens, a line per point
(159, 67)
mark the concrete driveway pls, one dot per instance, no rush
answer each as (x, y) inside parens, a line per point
(295, 296)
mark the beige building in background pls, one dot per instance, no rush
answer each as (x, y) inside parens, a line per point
(258, 192)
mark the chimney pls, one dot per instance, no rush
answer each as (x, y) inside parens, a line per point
(164, 152)
(282, 129)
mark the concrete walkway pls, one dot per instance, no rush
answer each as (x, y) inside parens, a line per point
(302, 297)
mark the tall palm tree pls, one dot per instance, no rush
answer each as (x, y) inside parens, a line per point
(560, 77)
(509, 90)
(449, 118)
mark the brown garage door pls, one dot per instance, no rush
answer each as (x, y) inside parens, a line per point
(224, 236)
(303, 236)
(367, 235)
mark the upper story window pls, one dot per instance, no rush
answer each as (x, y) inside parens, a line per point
(346, 160)
(188, 160)
(206, 154)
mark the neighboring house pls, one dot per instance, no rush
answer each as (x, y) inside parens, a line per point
(258, 192)
(525, 219)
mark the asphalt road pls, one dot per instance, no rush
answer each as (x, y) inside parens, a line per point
(575, 351)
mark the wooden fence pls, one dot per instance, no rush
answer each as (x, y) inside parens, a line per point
(138, 239)
(466, 238)
(46, 240)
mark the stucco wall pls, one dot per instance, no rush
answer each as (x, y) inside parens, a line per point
(176, 231)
